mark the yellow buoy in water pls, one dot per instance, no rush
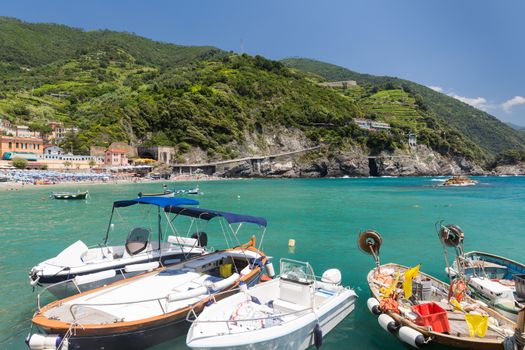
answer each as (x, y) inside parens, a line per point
(291, 242)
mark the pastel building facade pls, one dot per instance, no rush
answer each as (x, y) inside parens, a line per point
(116, 157)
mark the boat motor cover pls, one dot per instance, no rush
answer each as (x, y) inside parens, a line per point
(332, 276)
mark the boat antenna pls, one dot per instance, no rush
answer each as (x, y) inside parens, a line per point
(109, 225)
(370, 242)
(160, 233)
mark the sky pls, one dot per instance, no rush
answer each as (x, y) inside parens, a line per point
(472, 50)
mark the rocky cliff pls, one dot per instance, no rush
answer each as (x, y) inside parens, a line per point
(355, 161)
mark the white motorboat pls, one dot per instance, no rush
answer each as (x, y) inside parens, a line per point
(144, 310)
(79, 267)
(291, 312)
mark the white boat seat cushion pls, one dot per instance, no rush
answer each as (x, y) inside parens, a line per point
(285, 307)
(296, 292)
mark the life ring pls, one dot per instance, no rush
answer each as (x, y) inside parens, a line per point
(248, 310)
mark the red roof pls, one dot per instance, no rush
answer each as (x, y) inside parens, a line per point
(116, 151)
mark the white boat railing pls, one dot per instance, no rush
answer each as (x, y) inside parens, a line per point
(195, 320)
(72, 281)
(166, 300)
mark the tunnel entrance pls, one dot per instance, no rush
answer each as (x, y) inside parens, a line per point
(372, 167)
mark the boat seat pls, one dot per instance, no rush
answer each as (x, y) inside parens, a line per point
(286, 307)
(137, 240)
(299, 293)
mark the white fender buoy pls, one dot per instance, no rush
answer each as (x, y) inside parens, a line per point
(411, 337)
(373, 306)
(142, 267)
(388, 323)
(94, 277)
(44, 342)
(269, 269)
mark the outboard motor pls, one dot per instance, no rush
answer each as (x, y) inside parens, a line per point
(201, 237)
(332, 276)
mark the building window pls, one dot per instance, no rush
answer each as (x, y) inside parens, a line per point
(10, 145)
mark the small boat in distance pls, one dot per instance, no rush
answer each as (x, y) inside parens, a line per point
(420, 309)
(497, 281)
(459, 181)
(291, 312)
(165, 193)
(195, 190)
(145, 310)
(70, 195)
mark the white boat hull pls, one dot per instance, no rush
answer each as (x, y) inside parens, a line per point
(293, 335)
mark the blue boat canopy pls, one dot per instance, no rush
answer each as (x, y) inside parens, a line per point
(206, 214)
(158, 201)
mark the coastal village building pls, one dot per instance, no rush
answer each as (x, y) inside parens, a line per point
(116, 157)
(59, 132)
(412, 140)
(21, 144)
(161, 154)
(372, 125)
(340, 84)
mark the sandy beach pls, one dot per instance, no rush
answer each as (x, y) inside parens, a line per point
(16, 186)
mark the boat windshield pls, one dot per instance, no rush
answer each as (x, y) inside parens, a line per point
(296, 271)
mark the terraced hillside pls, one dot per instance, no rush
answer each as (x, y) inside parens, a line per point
(481, 128)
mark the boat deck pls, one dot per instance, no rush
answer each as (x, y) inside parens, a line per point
(144, 297)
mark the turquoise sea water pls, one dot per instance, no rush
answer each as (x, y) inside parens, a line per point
(322, 215)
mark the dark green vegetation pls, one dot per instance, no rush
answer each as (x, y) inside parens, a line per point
(19, 163)
(479, 127)
(510, 157)
(121, 87)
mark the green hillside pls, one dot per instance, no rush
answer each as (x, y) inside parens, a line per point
(30, 45)
(121, 87)
(481, 128)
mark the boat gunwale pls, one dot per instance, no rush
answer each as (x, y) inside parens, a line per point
(57, 326)
(479, 252)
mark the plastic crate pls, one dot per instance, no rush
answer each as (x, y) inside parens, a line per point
(433, 315)
(519, 281)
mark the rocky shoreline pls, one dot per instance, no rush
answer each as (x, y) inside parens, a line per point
(354, 162)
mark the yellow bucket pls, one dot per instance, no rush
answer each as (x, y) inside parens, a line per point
(225, 270)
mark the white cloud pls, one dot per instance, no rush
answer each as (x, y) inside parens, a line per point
(515, 101)
(477, 102)
(436, 88)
